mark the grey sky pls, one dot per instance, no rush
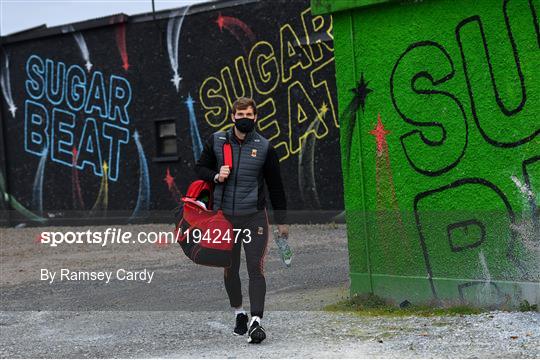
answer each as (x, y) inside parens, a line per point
(16, 15)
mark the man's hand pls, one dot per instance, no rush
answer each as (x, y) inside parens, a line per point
(283, 230)
(224, 172)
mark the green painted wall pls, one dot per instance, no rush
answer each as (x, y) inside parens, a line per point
(441, 193)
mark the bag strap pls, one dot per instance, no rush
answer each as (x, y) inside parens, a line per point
(227, 152)
(227, 160)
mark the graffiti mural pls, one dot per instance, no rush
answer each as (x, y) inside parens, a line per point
(440, 148)
(116, 110)
(6, 86)
(59, 97)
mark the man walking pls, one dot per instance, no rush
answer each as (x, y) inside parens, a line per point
(255, 162)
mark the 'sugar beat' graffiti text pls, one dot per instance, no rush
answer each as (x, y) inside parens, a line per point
(269, 69)
(59, 97)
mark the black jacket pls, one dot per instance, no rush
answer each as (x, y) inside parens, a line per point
(255, 162)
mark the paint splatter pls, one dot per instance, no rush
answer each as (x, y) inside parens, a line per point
(171, 185)
(75, 184)
(486, 290)
(389, 218)
(194, 129)
(174, 27)
(485, 270)
(362, 91)
(6, 86)
(348, 117)
(37, 188)
(143, 198)
(239, 29)
(529, 229)
(380, 134)
(17, 206)
(82, 45)
(523, 188)
(306, 160)
(121, 43)
(102, 200)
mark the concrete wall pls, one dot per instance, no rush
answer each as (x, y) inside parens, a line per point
(89, 150)
(439, 104)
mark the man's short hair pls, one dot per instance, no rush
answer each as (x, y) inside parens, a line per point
(243, 103)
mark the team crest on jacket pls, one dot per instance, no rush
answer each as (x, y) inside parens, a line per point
(253, 152)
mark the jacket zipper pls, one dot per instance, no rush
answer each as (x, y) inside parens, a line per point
(236, 178)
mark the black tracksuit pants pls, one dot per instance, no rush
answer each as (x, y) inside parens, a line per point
(255, 251)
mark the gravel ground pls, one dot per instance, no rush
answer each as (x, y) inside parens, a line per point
(294, 334)
(122, 320)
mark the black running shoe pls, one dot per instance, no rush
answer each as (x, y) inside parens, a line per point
(241, 324)
(256, 333)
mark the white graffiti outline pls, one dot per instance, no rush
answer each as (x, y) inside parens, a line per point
(6, 86)
(306, 163)
(174, 27)
(37, 188)
(196, 142)
(143, 198)
(82, 45)
(523, 188)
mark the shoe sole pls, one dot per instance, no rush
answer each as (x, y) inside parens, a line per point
(257, 336)
(237, 334)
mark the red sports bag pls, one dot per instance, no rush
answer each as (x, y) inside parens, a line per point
(206, 236)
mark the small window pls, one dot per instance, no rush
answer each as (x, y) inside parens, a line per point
(166, 138)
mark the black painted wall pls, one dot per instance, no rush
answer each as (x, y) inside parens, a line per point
(91, 151)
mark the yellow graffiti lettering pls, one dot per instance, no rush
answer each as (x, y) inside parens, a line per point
(293, 54)
(213, 101)
(269, 126)
(318, 79)
(316, 27)
(243, 85)
(264, 67)
(262, 70)
(300, 120)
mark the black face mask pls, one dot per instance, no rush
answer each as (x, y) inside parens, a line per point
(244, 125)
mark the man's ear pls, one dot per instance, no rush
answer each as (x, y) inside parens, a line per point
(232, 117)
